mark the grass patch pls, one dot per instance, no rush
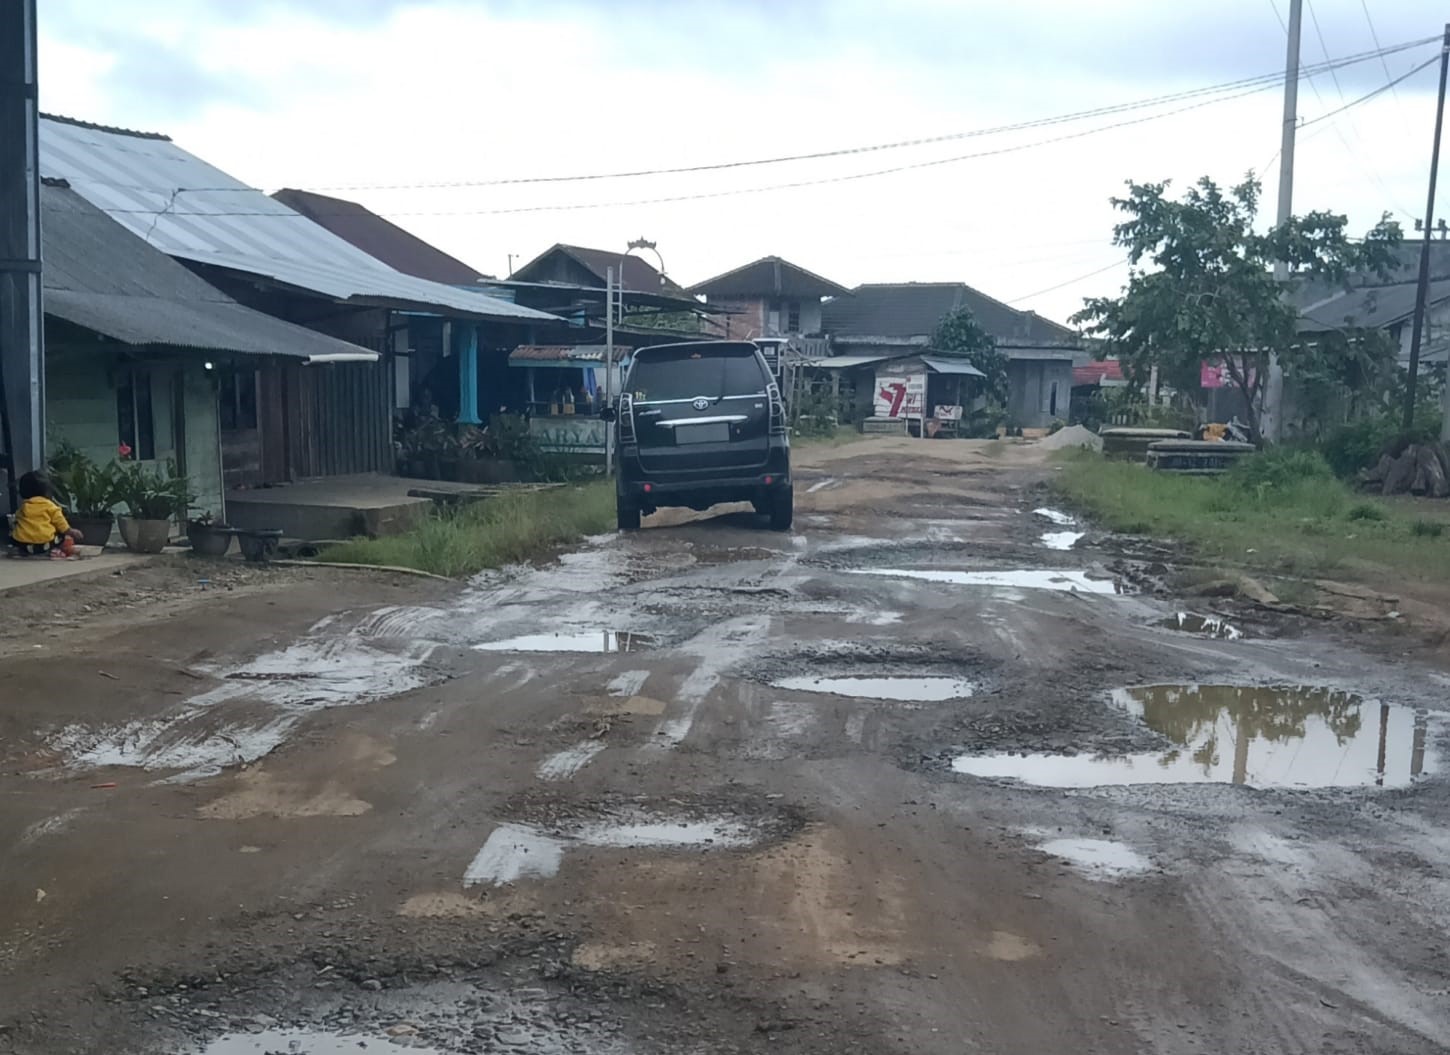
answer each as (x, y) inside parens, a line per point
(841, 435)
(504, 530)
(1279, 511)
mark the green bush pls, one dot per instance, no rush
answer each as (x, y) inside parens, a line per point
(1358, 445)
(1427, 528)
(1279, 467)
(1366, 511)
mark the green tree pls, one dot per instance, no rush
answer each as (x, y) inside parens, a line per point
(1201, 288)
(959, 334)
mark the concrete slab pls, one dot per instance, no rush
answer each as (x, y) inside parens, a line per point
(345, 506)
(17, 574)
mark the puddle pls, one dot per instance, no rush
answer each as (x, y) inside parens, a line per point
(1025, 578)
(646, 834)
(1061, 519)
(1061, 539)
(1261, 736)
(1203, 625)
(1098, 859)
(904, 690)
(610, 641)
(307, 1042)
(523, 851)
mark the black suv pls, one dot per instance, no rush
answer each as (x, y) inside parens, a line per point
(701, 424)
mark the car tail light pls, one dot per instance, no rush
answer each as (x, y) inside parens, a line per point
(626, 419)
(777, 410)
(769, 480)
(648, 488)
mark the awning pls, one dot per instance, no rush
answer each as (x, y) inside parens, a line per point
(952, 366)
(565, 356)
(847, 362)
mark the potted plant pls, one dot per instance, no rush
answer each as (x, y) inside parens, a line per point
(208, 536)
(152, 496)
(88, 490)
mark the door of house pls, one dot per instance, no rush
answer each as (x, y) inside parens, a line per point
(241, 435)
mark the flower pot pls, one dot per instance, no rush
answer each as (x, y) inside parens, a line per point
(209, 540)
(96, 531)
(144, 536)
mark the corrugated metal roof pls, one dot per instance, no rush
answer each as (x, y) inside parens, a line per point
(561, 353)
(100, 276)
(952, 366)
(913, 309)
(192, 210)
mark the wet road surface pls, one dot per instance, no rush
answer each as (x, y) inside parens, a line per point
(941, 771)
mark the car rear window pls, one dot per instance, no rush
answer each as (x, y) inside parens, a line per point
(686, 375)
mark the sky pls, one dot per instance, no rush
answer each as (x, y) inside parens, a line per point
(382, 101)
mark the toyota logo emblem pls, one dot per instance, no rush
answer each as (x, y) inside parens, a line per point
(701, 403)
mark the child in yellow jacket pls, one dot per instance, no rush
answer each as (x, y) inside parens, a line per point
(40, 527)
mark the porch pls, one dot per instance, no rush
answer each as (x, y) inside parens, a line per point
(339, 507)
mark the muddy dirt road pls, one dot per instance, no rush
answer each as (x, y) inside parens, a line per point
(931, 774)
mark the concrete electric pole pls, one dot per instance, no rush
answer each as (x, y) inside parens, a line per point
(1271, 421)
(22, 361)
(1422, 288)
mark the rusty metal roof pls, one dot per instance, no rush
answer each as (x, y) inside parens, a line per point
(192, 210)
(563, 353)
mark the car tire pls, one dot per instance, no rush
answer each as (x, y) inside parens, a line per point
(782, 509)
(627, 515)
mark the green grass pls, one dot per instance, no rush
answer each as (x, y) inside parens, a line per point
(1278, 512)
(504, 530)
(843, 434)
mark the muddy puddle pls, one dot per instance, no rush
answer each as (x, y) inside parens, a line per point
(1061, 540)
(1202, 625)
(602, 641)
(308, 1042)
(1053, 516)
(930, 689)
(1260, 736)
(1102, 860)
(1017, 578)
(515, 852)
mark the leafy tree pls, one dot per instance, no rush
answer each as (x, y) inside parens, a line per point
(1202, 289)
(960, 334)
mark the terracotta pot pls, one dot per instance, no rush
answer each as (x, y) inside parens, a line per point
(97, 530)
(144, 536)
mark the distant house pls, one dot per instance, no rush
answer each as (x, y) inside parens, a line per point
(281, 421)
(573, 265)
(135, 344)
(884, 320)
(769, 297)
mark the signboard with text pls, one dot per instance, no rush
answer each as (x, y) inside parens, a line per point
(899, 394)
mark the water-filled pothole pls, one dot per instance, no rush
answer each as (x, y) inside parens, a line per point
(1055, 517)
(1019, 578)
(307, 1042)
(931, 689)
(1061, 540)
(604, 641)
(1203, 625)
(1098, 859)
(1263, 736)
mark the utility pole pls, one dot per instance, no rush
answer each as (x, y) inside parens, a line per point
(22, 361)
(1271, 421)
(608, 368)
(1422, 290)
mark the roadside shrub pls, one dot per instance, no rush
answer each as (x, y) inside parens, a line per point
(1279, 467)
(1366, 511)
(1358, 445)
(1427, 528)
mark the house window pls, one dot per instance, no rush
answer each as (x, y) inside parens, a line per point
(136, 426)
(772, 321)
(793, 317)
(237, 399)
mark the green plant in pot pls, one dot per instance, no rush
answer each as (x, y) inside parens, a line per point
(209, 537)
(152, 497)
(87, 489)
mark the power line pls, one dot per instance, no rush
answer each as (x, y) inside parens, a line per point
(738, 191)
(1371, 94)
(1374, 35)
(1070, 282)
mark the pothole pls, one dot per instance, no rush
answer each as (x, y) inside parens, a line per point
(1019, 578)
(1061, 540)
(923, 689)
(600, 641)
(1053, 516)
(1261, 736)
(1202, 625)
(1102, 860)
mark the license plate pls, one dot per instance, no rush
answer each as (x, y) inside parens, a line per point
(715, 432)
